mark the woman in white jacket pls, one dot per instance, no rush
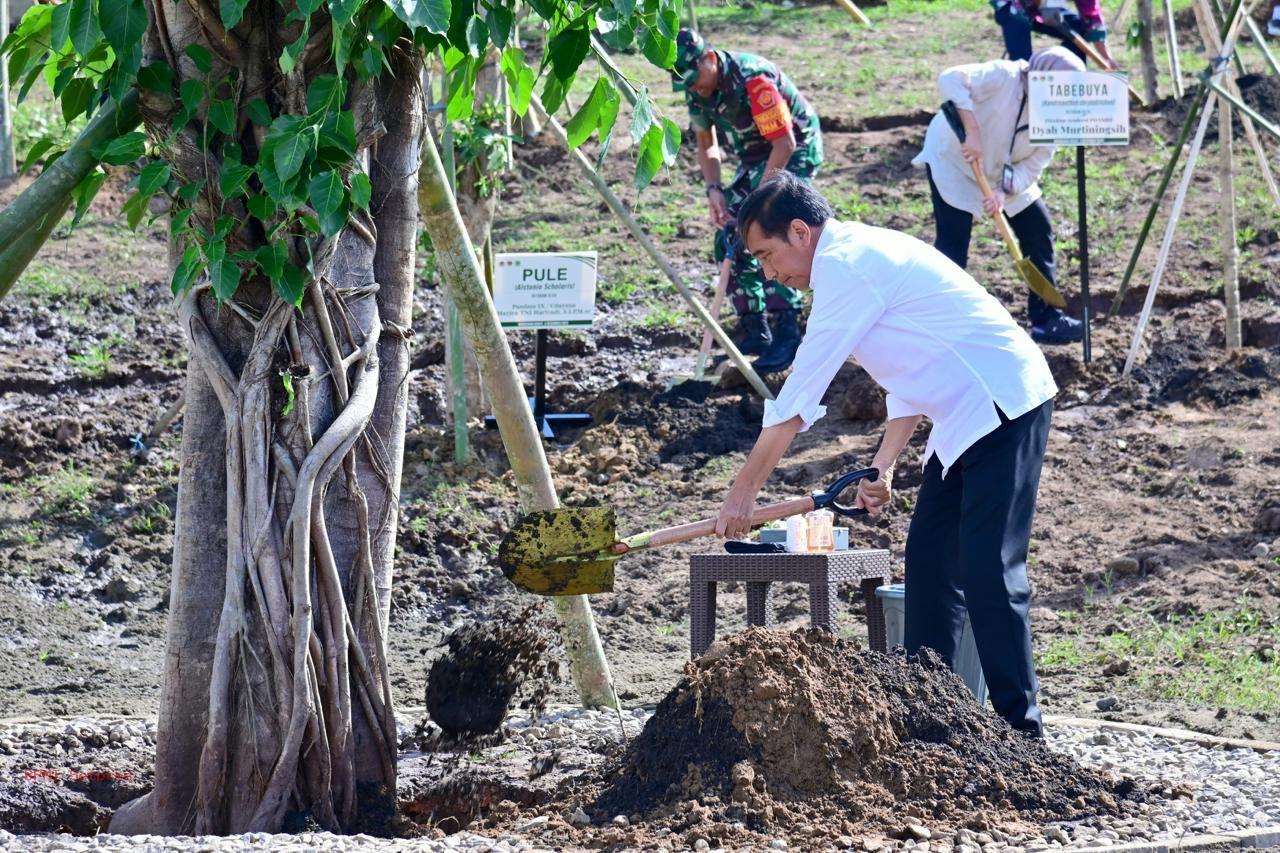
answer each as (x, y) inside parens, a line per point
(991, 99)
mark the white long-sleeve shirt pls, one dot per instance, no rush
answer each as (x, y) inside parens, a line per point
(928, 333)
(993, 91)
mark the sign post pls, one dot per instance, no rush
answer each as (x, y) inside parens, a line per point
(1079, 108)
(542, 291)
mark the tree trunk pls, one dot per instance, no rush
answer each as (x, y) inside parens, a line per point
(276, 705)
(1150, 88)
(460, 271)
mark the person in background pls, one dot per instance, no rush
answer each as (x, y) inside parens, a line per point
(769, 126)
(1273, 25)
(1019, 18)
(991, 98)
(941, 347)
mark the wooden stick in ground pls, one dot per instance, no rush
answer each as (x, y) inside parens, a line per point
(1150, 87)
(1097, 59)
(1261, 42)
(620, 210)
(1175, 62)
(717, 302)
(854, 12)
(1163, 258)
(1117, 21)
(7, 165)
(1230, 260)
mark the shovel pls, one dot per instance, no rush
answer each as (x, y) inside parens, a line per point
(1029, 272)
(573, 551)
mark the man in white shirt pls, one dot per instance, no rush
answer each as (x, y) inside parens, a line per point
(941, 346)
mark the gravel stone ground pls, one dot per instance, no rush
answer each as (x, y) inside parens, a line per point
(1210, 790)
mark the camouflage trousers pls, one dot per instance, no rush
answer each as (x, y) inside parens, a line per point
(748, 289)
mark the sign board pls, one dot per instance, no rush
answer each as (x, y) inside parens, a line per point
(1078, 108)
(545, 290)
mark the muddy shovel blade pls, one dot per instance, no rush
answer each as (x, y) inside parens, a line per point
(561, 551)
(1039, 284)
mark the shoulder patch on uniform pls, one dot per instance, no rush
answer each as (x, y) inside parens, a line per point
(768, 108)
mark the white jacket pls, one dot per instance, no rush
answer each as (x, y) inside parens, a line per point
(993, 91)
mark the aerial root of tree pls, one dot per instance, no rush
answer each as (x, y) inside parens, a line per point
(283, 582)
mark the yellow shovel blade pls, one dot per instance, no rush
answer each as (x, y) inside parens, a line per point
(1039, 284)
(561, 551)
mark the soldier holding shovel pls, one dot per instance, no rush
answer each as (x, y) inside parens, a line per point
(942, 347)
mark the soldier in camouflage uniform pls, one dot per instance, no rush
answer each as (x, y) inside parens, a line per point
(769, 125)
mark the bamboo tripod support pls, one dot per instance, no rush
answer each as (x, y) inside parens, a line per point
(1217, 71)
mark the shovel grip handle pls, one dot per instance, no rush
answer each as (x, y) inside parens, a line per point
(707, 527)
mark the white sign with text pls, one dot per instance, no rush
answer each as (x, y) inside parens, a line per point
(1078, 108)
(545, 290)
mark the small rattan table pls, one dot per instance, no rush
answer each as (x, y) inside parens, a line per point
(822, 572)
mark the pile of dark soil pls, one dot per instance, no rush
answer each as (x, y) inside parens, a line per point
(1193, 371)
(471, 686)
(780, 730)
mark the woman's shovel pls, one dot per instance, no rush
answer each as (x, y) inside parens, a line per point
(572, 551)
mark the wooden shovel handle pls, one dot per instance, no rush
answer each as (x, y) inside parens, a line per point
(1100, 61)
(717, 302)
(1002, 224)
(707, 527)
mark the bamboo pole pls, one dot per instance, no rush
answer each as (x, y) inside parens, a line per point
(1117, 22)
(28, 220)
(1230, 257)
(7, 164)
(620, 210)
(1163, 258)
(1171, 39)
(1150, 87)
(693, 16)
(1261, 42)
(460, 272)
(854, 12)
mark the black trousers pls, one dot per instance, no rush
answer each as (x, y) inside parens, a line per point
(967, 550)
(1032, 227)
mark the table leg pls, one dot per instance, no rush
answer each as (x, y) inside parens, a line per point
(702, 616)
(760, 603)
(822, 605)
(877, 637)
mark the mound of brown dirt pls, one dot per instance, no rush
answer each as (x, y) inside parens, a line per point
(768, 727)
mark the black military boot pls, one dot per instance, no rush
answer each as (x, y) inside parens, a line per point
(753, 334)
(786, 340)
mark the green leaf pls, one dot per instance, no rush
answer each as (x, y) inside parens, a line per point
(325, 93)
(553, 92)
(134, 209)
(188, 192)
(153, 177)
(83, 26)
(84, 192)
(658, 49)
(520, 78)
(223, 273)
(500, 23)
(291, 285)
(329, 198)
(291, 153)
(289, 56)
(290, 396)
(124, 23)
(262, 207)
(124, 149)
(587, 118)
(271, 259)
(430, 14)
(60, 29)
(608, 121)
(76, 98)
(361, 190)
(642, 116)
(462, 84)
(568, 48)
(200, 55)
(649, 158)
(231, 11)
(191, 93)
(232, 179)
(187, 270)
(668, 23)
(624, 8)
(156, 77)
(670, 141)
(34, 153)
(477, 36)
(222, 115)
(342, 11)
(179, 220)
(258, 112)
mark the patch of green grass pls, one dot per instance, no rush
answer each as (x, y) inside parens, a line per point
(43, 279)
(40, 116)
(153, 518)
(619, 292)
(93, 362)
(66, 488)
(663, 316)
(1061, 652)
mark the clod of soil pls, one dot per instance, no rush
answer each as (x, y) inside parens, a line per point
(38, 807)
(471, 686)
(768, 726)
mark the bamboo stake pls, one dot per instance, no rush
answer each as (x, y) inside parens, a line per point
(1261, 42)
(28, 220)
(7, 164)
(1230, 258)
(620, 210)
(460, 272)
(717, 303)
(854, 12)
(1149, 73)
(1171, 38)
(693, 17)
(1117, 22)
(1163, 257)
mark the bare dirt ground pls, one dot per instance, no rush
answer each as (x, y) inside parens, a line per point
(1151, 592)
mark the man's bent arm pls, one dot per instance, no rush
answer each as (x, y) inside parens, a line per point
(897, 433)
(735, 515)
(709, 156)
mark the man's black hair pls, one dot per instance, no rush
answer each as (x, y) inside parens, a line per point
(777, 201)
